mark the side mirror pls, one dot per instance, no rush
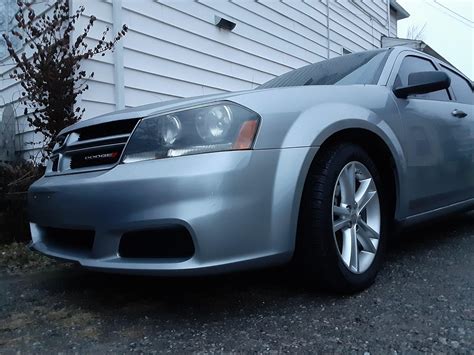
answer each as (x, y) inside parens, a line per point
(422, 83)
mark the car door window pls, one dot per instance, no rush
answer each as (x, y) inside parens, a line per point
(462, 89)
(413, 64)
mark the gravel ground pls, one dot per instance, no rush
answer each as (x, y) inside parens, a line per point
(422, 302)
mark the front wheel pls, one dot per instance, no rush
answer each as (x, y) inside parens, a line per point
(341, 232)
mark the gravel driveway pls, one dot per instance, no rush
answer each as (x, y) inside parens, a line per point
(422, 302)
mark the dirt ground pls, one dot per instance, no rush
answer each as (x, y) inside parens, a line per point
(422, 302)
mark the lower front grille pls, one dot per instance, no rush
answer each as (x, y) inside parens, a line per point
(68, 239)
(166, 242)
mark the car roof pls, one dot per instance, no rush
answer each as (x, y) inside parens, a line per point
(399, 49)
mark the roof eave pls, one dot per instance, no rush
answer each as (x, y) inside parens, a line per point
(400, 11)
(391, 42)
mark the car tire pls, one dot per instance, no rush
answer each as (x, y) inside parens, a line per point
(342, 247)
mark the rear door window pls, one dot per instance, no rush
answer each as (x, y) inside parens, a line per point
(462, 89)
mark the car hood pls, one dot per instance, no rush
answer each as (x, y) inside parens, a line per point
(151, 109)
(263, 101)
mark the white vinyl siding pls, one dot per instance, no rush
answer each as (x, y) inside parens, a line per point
(173, 48)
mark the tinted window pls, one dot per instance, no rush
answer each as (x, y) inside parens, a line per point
(462, 89)
(413, 64)
(357, 68)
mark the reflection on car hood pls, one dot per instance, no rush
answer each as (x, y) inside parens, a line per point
(150, 109)
(301, 98)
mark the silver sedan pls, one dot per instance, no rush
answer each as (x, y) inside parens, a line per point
(317, 167)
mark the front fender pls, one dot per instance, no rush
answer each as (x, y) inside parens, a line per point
(317, 124)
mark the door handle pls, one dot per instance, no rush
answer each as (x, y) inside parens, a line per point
(458, 113)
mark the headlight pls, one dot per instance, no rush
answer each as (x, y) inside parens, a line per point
(213, 124)
(169, 129)
(211, 128)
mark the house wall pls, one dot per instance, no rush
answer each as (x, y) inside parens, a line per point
(173, 48)
(16, 135)
(393, 24)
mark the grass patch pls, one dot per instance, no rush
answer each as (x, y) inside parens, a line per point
(17, 258)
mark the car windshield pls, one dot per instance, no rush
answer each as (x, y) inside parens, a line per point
(357, 68)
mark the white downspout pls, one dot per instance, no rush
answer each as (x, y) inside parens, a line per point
(388, 18)
(119, 87)
(328, 29)
(72, 11)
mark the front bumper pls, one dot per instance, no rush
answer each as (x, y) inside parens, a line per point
(240, 208)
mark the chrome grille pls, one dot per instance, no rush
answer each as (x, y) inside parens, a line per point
(91, 148)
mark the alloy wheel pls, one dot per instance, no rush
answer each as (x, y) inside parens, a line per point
(356, 217)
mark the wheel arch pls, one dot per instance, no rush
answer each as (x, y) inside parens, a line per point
(376, 146)
(386, 160)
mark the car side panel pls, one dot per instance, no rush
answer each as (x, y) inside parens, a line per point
(366, 107)
(438, 149)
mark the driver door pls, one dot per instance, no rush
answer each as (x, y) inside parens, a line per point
(435, 175)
